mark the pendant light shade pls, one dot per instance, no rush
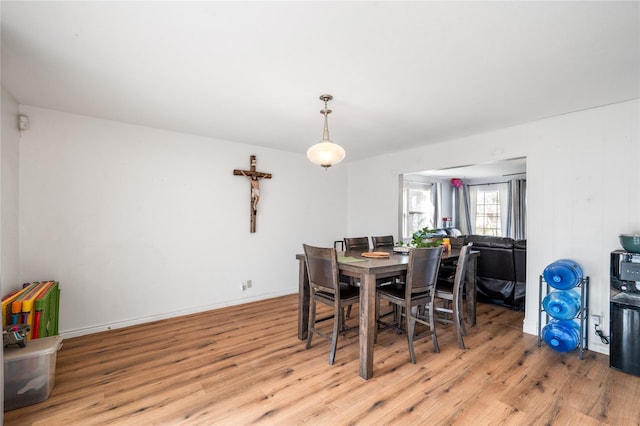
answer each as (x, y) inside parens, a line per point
(325, 153)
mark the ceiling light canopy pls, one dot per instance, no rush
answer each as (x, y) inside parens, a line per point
(325, 153)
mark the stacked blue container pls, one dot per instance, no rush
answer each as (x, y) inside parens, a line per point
(562, 333)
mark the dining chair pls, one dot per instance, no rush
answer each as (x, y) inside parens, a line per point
(451, 294)
(415, 297)
(386, 241)
(325, 287)
(382, 241)
(356, 243)
(456, 242)
(448, 267)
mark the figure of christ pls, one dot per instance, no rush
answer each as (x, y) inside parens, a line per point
(254, 179)
(255, 190)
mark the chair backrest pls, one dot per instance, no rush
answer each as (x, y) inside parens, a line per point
(358, 243)
(422, 269)
(456, 242)
(322, 267)
(382, 241)
(461, 268)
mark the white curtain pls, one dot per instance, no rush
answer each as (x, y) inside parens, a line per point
(437, 192)
(503, 190)
(517, 209)
(466, 209)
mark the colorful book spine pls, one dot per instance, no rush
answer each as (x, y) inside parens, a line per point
(28, 306)
(46, 316)
(37, 314)
(6, 306)
(16, 305)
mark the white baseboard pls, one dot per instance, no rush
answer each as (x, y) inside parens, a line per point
(67, 334)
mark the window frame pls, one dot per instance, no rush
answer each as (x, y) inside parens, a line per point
(407, 227)
(495, 216)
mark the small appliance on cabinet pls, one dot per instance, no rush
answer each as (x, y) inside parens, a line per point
(624, 354)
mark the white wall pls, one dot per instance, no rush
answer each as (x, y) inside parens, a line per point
(583, 185)
(9, 214)
(139, 223)
(9, 154)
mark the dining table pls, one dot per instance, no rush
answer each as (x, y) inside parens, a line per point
(368, 270)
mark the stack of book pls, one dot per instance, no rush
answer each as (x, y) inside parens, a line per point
(35, 305)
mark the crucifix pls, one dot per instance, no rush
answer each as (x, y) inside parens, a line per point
(254, 178)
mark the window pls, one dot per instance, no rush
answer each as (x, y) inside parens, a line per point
(418, 207)
(488, 219)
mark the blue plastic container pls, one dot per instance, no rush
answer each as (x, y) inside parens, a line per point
(562, 305)
(563, 274)
(562, 335)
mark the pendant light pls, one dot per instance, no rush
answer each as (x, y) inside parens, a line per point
(325, 153)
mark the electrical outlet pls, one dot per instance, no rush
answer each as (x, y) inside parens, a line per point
(249, 283)
(244, 285)
(595, 319)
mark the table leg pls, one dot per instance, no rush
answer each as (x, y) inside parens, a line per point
(470, 285)
(303, 300)
(367, 323)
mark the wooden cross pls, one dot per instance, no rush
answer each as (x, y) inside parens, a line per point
(254, 179)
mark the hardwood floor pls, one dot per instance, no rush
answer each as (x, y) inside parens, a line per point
(245, 365)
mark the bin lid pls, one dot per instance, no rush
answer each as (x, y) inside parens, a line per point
(34, 348)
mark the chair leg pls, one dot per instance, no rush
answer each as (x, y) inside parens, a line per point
(459, 333)
(411, 327)
(312, 320)
(461, 319)
(397, 317)
(432, 327)
(337, 326)
(460, 329)
(349, 311)
(446, 305)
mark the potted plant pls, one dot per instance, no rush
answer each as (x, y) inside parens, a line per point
(422, 238)
(419, 239)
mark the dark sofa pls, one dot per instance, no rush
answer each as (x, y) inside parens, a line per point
(501, 269)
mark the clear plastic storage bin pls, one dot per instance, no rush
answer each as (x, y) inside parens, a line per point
(30, 372)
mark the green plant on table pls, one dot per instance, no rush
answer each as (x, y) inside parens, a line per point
(418, 239)
(419, 236)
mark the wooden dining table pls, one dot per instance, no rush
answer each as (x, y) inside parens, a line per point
(368, 270)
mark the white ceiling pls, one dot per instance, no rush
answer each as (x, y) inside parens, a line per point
(402, 74)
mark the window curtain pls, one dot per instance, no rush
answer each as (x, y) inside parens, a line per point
(466, 196)
(458, 212)
(437, 195)
(503, 190)
(517, 209)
